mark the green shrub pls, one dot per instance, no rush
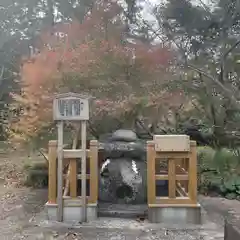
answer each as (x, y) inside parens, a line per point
(218, 172)
(205, 157)
(36, 172)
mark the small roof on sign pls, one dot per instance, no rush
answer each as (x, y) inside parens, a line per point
(71, 94)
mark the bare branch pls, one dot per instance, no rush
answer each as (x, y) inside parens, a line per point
(45, 157)
(206, 8)
(1, 73)
(92, 130)
(227, 91)
(144, 127)
(231, 49)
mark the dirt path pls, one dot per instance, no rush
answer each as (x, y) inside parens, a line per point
(18, 209)
(22, 217)
(220, 208)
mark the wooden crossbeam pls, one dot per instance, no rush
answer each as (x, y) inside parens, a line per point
(179, 177)
(181, 191)
(173, 155)
(74, 153)
(177, 200)
(79, 176)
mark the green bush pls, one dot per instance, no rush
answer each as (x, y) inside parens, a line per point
(205, 157)
(218, 172)
(36, 172)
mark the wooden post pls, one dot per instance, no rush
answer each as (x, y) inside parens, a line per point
(192, 184)
(73, 177)
(70, 107)
(60, 172)
(185, 166)
(52, 171)
(151, 182)
(93, 171)
(83, 171)
(171, 178)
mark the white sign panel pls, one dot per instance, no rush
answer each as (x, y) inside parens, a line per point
(172, 143)
(71, 108)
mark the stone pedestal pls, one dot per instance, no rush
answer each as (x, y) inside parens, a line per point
(175, 214)
(72, 212)
(232, 229)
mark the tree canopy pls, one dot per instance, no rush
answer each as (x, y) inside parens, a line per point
(93, 57)
(181, 62)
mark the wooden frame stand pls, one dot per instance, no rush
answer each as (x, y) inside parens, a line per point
(181, 174)
(72, 204)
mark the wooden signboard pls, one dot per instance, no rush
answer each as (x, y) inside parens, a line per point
(71, 107)
(172, 143)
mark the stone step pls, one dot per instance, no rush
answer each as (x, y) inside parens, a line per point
(122, 210)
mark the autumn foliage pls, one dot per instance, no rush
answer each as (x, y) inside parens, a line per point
(93, 57)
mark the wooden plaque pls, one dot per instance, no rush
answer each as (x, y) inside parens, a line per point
(70, 107)
(172, 143)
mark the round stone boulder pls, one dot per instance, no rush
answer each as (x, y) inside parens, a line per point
(124, 135)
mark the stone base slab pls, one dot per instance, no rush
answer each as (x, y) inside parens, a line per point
(175, 214)
(72, 212)
(231, 230)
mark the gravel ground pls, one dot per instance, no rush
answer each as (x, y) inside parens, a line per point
(22, 216)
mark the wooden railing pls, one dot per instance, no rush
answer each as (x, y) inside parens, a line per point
(180, 172)
(71, 156)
